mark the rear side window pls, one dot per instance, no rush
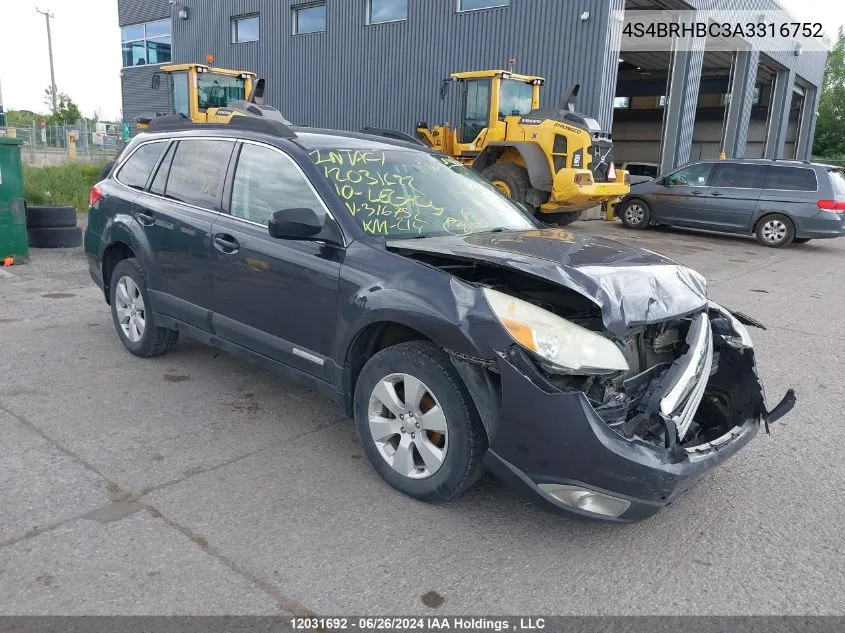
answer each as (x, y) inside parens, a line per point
(197, 171)
(738, 176)
(159, 182)
(791, 179)
(837, 179)
(266, 182)
(136, 171)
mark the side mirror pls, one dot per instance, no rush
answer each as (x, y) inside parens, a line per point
(295, 224)
(155, 82)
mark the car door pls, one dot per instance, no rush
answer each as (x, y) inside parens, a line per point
(732, 196)
(277, 297)
(176, 214)
(679, 197)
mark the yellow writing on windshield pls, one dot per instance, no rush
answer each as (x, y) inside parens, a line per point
(389, 199)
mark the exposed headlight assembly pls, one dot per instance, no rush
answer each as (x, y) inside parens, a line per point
(566, 345)
(742, 338)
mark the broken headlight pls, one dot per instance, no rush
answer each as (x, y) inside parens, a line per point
(561, 342)
(740, 337)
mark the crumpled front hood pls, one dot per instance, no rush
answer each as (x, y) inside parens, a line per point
(632, 286)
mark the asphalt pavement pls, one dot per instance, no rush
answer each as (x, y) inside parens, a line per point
(198, 483)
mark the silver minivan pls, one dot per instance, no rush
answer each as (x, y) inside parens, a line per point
(778, 201)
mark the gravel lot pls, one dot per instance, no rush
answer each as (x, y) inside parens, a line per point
(196, 483)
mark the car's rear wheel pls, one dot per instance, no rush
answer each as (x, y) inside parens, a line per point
(133, 319)
(635, 214)
(775, 231)
(416, 422)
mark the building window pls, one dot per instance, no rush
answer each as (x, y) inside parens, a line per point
(755, 98)
(245, 29)
(621, 103)
(380, 11)
(146, 43)
(473, 5)
(309, 19)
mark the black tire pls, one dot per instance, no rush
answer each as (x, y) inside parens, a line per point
(38, 217)
(775, 231)
(64, 237)
(559, 219)
(154, 340)
(635, 213)
(514, 177)
(801, 240)
(465, 439)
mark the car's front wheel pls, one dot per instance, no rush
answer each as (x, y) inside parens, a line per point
(635, 214)
(133, 319)
(416, 422)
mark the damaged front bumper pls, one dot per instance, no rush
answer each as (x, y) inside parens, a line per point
(553, 445)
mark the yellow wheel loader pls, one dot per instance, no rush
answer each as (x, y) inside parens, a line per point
(205, 94)
(554, 161)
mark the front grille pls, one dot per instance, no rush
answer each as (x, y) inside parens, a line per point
(602, 156)
(681, 399)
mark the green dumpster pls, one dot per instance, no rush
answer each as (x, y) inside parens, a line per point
(12, 210)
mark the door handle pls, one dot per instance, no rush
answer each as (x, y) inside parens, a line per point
(696, 193)
(145, 217)
(716, 194)
(226, 243)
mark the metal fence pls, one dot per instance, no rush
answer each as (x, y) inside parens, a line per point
(57, 144)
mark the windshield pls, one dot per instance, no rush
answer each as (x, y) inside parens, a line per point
(515, 98)
(217, 91)
(402, 193)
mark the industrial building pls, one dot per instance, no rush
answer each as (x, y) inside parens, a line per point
(351, 63)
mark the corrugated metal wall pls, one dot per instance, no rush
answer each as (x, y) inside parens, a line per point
(389, 74)
(138, 98)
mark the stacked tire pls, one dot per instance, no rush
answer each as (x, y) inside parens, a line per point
(52, 227)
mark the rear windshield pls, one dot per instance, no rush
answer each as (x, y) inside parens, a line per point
(402, 193)
(791, 179)
(837, 179)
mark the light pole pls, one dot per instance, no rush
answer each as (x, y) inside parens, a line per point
(47, 15)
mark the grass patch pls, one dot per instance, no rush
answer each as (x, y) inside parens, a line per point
(63, 185)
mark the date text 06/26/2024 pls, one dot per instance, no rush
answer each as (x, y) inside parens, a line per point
(421, 624)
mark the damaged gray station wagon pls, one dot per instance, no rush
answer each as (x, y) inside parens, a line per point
(452, 326)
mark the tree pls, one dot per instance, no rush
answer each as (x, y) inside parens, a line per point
(66, 112)
(830, 140)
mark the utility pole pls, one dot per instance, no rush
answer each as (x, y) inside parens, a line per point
(47, 15)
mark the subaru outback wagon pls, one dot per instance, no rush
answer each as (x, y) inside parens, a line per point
(779, 202)
(457, 331)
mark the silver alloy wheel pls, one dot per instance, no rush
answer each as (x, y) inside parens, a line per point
(408, 426)
(129, 306)
(774, 231)
(634, 214)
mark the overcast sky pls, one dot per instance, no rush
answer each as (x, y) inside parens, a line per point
(86, 49)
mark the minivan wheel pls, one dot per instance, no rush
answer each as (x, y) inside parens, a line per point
(775, 230)
(133, 319)
(635, 214)
(416, 422)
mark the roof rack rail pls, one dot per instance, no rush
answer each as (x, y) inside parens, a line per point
(791, 160)
(179, 122)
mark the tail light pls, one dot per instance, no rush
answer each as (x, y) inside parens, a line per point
(583, 180)
(831, 205)
(96, 195)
